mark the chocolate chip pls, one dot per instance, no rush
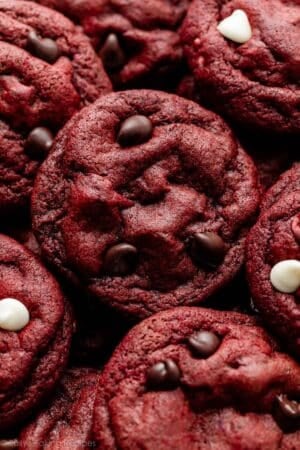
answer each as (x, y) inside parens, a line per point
(44, 48)
(289, 408)
(204, 343)
(121, 259)
(163, 375)
(39, 142)
(207, 249)
(295, 226)
(9, 444)
(111, 53)
(135, 130)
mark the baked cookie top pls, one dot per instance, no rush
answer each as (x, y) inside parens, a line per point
(48, 71)
(245, 55)
(196, 378)
(35, 332)
(153, 212)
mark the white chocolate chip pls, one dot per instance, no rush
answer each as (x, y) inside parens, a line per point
(14, 316)
(285, 276)
(236, 27)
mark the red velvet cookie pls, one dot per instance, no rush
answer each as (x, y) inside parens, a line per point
(67, 422)
(273, 260)
(35, 333)
(137, 41)
(191, 378)
(48, 71)
(245, 56)
(154, 211)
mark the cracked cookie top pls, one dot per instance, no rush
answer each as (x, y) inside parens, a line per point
(252, 79)
(194, 378)
(150, 200)
(137, 41)
(48, 71)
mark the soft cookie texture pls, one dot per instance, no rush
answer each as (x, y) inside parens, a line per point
(65, 423)
(276, 239)
(153, 212)
(48, 71)
(255, 82)
(191, 378)
(32, 357)
(137, 40)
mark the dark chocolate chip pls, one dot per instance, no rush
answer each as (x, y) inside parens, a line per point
(295, 226)
(39, 142)
(121, 259)
(112, 54)
(9, 444)
(204, 343)
(289, 408)
(163, 375)
(135, 130)
(207, 249)
(44, 48)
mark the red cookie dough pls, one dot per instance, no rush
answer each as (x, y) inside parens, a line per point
(32, 359)
(191, 378)
(48, 71)
(255, 83)
(137, 41)
(154, 211)
(67, 422)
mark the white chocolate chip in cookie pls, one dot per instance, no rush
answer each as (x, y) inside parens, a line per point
(236, 27)
(285, 276)
(14, 315)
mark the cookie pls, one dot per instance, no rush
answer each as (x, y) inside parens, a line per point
(245, 56)
(48, 71)
(66, 422)
(137, 41)
(273, 260)
(192, 378)
(151, 214)
(35, 333)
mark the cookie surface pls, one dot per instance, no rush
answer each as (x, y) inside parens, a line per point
(48, 71)
(272, 257)
(137, 41)
(195, 379)
(255, 82)
(33, 352)
(153, 212)
(65, 423)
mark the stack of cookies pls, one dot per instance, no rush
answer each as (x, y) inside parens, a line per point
(150, 224)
